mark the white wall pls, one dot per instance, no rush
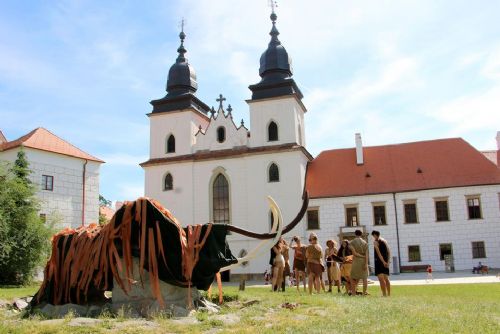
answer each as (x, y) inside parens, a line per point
(182, 124)
(67, 194)
(284, 111)
(428, 234)
(189, 201)
(207, 140)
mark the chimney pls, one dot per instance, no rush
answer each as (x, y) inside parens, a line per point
(359, 150)
(4, 140)
(498, 149)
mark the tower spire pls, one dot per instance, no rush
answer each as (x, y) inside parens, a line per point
(182, 50)
(274, 31)
(275, 67)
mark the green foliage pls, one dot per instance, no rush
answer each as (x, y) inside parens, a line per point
(103, 201)
(21, 167)
(55, 221)
(24, 239)
(102, 219)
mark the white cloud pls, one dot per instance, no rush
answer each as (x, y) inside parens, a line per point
(474, 112)
(491, 68)
(130, 192)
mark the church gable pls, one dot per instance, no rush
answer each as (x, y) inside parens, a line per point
(221, 132)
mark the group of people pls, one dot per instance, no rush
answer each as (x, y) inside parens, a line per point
(347, 265)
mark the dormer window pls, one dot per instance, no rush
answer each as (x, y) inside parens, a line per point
(272, 131)
(171, 144)
(221, 134)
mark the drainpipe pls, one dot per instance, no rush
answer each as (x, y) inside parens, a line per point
(397, 230)
(83, 191)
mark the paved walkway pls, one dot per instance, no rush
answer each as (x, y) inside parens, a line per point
(458, 277)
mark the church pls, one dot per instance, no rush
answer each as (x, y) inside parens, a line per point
(431, 200)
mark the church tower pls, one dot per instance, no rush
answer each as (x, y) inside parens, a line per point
(176, 117)
(276, 108)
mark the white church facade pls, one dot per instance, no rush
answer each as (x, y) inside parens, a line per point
(206, 168)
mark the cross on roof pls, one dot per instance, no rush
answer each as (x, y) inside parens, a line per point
(182, 24)
(273, 4)
(220, 100)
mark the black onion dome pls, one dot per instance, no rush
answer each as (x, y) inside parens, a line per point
(275, 70)
(275, 62)
(181, 76)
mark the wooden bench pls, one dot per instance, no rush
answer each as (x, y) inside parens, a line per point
(414, 268)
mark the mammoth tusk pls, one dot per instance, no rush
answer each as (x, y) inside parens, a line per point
(272, 234)
(276, 229)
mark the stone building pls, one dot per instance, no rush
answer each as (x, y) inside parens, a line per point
(67, 178)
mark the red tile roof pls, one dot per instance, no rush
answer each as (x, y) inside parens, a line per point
(443, 163)
(107, 212)
(42, 139)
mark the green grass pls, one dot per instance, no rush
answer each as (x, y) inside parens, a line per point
(461, 308)
(12, 292)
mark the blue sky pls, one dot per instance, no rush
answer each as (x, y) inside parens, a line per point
(396, 71)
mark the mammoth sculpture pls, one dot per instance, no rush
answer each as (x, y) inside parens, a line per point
(144, 235)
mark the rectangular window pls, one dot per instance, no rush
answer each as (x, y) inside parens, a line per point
(410, 212)
(47, 182)
(474, 207)
(379, 214)
(43, 218)
(414, 253)
(445, 249)
(351, 215)
(442, 213)
(478, 250)
(313, 219)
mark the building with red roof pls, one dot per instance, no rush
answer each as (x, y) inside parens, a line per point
(67, 178)
(429, 199)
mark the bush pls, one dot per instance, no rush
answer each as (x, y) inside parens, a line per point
(24, 239)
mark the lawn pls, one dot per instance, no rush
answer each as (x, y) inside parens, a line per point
(461, 308)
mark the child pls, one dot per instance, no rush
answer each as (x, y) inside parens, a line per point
(429, 273)
(267, 277)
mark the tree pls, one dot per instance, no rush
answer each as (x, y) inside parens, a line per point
(24, 239)
(103, 201)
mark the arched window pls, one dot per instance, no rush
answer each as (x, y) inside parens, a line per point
(221, 134)
(168, 182)
(171, 144)
(272, 131)
(220, 200)
(274, 173)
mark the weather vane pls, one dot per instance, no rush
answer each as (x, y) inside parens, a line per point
(273, 4)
